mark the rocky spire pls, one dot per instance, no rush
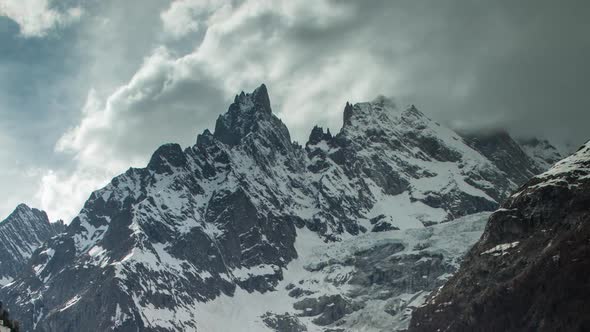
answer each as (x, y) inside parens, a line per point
(204, 139)
(261, 99)
(317, 135)
(347, 113)
(243, 116)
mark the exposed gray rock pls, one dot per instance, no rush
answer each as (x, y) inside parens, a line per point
(382, 223)
(283, 323)
(328, 309)
(23, 231)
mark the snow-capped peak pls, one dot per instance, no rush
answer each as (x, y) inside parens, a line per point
(20, 234)
(244, 116)
(576, 165)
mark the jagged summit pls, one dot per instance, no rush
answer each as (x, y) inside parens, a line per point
(368, 109)
(166, 157)
(244, 116)
(317, 135)
(347, 114)
(22, 212)
(367, 112)
(261, 99)
(258, 101)
(21, 207)
(20, 234)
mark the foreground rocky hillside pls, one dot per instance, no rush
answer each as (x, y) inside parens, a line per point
(529, 270)
(164, 247)
(23, 231)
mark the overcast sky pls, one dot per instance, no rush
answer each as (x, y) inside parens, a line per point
(89, 88)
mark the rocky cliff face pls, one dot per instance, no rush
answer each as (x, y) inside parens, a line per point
(528, 271)
(233, 216)
(21, 233)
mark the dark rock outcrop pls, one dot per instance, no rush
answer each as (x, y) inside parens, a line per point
(326, 309)
(283, 323)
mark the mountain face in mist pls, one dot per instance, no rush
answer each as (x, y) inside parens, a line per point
(541, 151)
(506, 154)
(248, 228)
(21, 233)
(529, 270)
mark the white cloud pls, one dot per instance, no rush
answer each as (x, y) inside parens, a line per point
(172, 98)
(36, 17)
(167, 100)
(186, 16)
(313, 59)
(62, 194)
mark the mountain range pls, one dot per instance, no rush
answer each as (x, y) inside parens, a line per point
(249, 231)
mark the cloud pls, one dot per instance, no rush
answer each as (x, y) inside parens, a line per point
(468, 63)
(187, 16)
(36, 17)
(15, 177)
(167, 100)
(172, 98)
(164, 100)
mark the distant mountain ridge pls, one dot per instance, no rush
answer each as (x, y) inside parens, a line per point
(21, 233)
(222, 217)
(542, 151)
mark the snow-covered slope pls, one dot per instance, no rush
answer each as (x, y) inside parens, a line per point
(371, 282)
(21, 233)
(402, 169)
(228, 216)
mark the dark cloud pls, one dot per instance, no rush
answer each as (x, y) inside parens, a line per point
(520, 65)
